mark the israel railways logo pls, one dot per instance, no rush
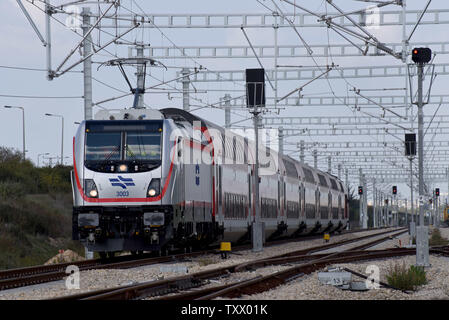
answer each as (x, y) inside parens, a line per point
(122, 182)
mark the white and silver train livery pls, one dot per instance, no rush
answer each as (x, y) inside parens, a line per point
(144, 180)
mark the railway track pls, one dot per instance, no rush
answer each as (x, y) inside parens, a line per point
(15, 278)
(261, 284)
(304, 256)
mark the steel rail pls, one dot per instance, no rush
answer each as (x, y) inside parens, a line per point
(93, 263)
(160, 287)
(260, 284)
(20, 277)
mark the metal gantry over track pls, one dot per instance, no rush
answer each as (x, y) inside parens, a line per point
(354, 129)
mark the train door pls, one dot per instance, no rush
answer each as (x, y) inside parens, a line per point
(219, 198)
(346, 207)
(279, 190)
(284, 199)
(249, 209)
(303, 203)
(339, 216)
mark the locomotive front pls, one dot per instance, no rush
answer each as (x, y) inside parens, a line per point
(121, 185)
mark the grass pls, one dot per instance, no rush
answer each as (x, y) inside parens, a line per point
(35, 212)
(401, 277)
(437, 240)
(33, 230)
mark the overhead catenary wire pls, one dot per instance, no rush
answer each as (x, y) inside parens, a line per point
(339, 73)
(39, 97)
(334, 88)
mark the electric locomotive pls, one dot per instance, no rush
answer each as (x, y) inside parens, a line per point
(147, 180)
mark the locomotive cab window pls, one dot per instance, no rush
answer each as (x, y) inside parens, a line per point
(103, 145)
(112, 144)
(143, 146)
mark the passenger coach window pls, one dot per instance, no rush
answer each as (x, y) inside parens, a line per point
(103, 145)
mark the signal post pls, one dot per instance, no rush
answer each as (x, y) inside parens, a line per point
(255, 97)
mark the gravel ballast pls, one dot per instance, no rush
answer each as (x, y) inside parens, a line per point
(309, 287)
(100, 279)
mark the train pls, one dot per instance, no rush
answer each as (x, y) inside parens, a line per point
(153, 180)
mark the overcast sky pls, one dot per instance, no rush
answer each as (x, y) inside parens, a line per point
(20, 47)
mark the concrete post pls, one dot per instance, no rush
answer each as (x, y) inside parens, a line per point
(281, 140)
(257, 232)
(185, 89)
(301, 151)
(227, 103)
(140, 78)
(87, 65)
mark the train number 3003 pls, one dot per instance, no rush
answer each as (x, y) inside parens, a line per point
(122, 193)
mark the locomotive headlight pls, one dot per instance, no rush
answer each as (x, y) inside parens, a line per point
(154, 189)
(123, 168)
(90, 188)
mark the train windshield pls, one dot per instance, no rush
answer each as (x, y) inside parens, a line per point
(143, 146)
(103, 145)
(135, 143)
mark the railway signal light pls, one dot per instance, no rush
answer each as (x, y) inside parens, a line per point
(421, 55)
(395, 190)
(360, 190)
(410, 144)
(437, 192)
(255, 87)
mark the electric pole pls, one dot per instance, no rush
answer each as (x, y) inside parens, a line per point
(87, 65)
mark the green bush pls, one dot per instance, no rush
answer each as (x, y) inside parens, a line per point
(14, 171)
(35, 211)
(436, 239)
(406, 279)
(11, 190)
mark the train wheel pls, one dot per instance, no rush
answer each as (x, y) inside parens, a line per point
(103, 255)
(111, 254)
(134, 252)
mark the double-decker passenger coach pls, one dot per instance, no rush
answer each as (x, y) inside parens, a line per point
(147, 180)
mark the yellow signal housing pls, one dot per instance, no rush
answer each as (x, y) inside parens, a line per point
(225, 246)
(327, 237)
